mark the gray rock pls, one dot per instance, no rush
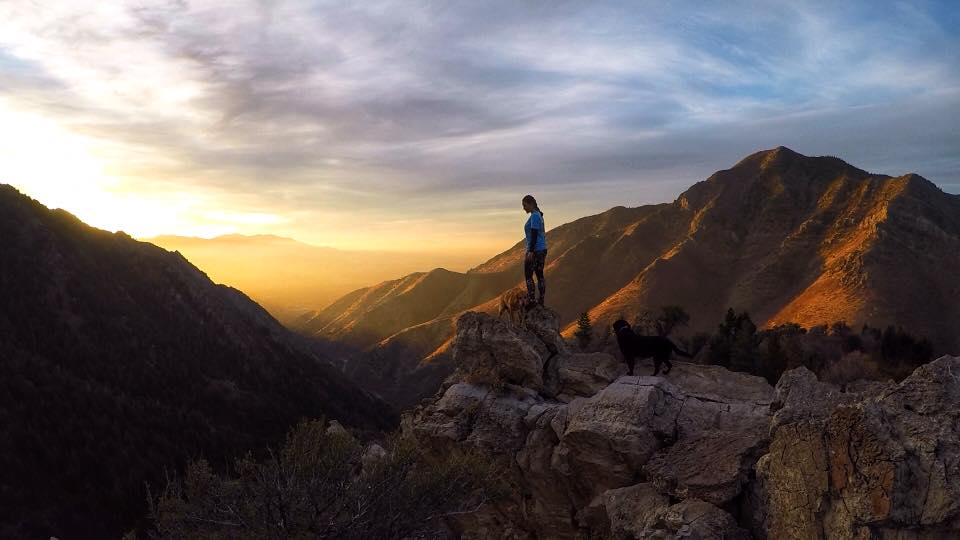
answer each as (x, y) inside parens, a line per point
(607, 438)
(478, 416)
(718, 399)
(550, 499)
(711, 466)
(581, 374)
(336, 428)
(544, 324)
(373, 454)
(694, 520)
(632, 509)
(885, 466)
(485, 345)
(800, 396)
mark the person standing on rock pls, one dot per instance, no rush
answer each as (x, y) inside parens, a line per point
(536, 250)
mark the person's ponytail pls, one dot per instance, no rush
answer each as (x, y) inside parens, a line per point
(528, 199)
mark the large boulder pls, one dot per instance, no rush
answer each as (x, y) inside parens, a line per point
(693, 519)
(578, 430)
(544, 323)
(800, 396)
(548, 493)
(475, 415)
(719, 399)
(534, 355)
(632, 509)
(487, 346)
(606, 439)
(572, 375)
(884, 466)
(712, 466)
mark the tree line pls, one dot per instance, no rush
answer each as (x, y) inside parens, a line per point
(836, 352)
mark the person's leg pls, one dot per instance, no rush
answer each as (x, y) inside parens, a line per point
(528, 267)
(540, 258)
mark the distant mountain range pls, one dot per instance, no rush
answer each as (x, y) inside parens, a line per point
(786, 237)
(290, 278)
(120, 360)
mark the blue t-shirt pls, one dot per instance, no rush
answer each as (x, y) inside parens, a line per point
(535, 221)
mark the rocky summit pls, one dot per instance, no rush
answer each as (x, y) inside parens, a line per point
(701, 453)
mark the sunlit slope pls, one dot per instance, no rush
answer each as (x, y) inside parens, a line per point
(808, 240)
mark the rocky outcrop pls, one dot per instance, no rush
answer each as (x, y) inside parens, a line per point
(485, 344)
(700, 453)
(882, 466)
(534, 356)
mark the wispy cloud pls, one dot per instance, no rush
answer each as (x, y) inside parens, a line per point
(344, 122)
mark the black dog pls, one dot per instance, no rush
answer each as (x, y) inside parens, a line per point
(633, 347)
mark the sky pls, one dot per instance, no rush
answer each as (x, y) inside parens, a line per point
(419, 126)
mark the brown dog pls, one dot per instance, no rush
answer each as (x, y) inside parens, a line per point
(514, 301)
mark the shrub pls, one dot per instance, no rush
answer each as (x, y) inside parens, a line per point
(735, 343)
(318, 486)
(849, 368)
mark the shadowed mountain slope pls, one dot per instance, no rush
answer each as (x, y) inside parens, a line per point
(119, 359)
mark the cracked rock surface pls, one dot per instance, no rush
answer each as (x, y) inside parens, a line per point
(700, 453)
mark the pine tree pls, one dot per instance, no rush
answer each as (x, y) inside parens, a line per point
(584, 331)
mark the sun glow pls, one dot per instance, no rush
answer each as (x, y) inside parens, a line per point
(62, 169)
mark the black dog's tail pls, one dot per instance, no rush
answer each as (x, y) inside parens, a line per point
(679, 352)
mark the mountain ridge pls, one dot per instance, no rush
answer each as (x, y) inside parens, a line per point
(119, 358)
(786, 237)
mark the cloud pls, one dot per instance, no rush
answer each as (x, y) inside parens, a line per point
(390, 111)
